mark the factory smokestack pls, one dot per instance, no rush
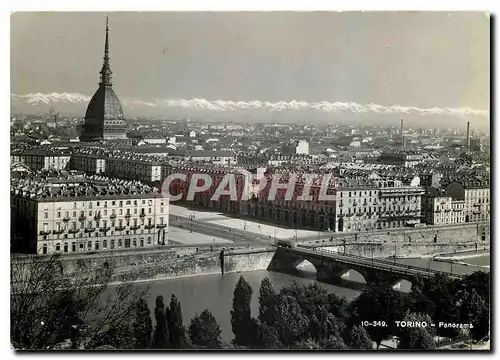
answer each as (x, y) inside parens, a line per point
(467, 139)
(402, 135)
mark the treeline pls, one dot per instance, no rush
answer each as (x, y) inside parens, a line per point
(296, 317)
(307, 317)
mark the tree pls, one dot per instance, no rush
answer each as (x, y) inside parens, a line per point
(416, 337)
(268, 336)
(291, 322)
(241, 318)
(161, 336)
(357, 338)
(308, 344)
(119, 337)
(480, 282)
(267, 301)
(142, 325)
(473, 310)
(205, 332)
(338, 306)
(378, 303)
(176, 327)
(333, 343)
(420, 302)
(48, 306)
(445, 294)
(323, 324)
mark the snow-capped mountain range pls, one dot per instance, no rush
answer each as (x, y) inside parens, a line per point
(259, 111)
(35, 99)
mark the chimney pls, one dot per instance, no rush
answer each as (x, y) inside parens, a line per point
(402, 135)
(467, 136)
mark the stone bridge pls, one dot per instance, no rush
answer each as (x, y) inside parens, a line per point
(330, 266)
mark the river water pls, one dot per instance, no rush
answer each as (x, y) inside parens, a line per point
(215, 292)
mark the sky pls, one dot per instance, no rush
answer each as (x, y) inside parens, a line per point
(422, 59)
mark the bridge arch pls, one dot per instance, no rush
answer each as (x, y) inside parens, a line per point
(330, 267)
(352, 274)
(306, 265)
(403, 285)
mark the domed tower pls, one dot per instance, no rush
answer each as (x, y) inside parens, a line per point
(104, 117)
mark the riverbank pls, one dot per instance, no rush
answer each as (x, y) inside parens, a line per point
(250, 260)
(462, 255)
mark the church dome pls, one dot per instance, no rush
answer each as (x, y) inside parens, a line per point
(104, 105)
(104, 117)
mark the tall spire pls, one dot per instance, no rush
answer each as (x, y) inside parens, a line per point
(106, 70)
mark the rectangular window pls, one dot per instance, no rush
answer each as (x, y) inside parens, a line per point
(45, 215)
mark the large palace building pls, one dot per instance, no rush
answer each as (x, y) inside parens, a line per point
(104, 117)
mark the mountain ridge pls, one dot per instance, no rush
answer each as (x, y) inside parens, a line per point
(256, 110)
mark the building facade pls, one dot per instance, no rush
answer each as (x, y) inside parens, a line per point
(89, 163)
(476, 197)
(42, 159)
(145, 169)
(440, 209)
(78, 218)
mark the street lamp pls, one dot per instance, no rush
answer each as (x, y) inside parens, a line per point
(191, 217)
(295, 218)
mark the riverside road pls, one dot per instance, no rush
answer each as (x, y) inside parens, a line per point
(236, 235)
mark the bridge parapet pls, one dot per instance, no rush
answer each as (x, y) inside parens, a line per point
(330, 266)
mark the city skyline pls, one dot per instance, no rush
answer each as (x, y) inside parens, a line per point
(180, 66)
